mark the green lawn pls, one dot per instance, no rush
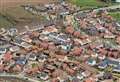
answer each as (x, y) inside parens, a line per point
(88, 3)
(115, 15)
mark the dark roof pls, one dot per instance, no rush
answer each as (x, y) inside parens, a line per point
(117, 68)
(18, 40)
(104, 63)
(108, 62)
(81, 15)
(91, 31)
(21, 61)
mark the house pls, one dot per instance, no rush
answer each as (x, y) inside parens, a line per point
(57, 73)
(75, 79)
(77, 34)
(12, 31)
(86, 73)
(44, 45)
(89, 80)
(83, 41)
(118, 40)
(117, 69)
(107, 75)
(44, 76)
(32, 56)
(109, 36)
(2, 31)
(110, 80)
(118, 80)
(3, 50)
(21, 61)
(107, 62)
(43, 37)
(53, 36)
(59, 38)
(70, 71)
(80, 16)
(91, 62)
(113, 62)
(7, 56)
(51, 29)
(17, 68)
(21, 43)
(1, 67)
(52, 46)
(26, 45)
(55, 80)
(80, 76)
(118, 26)
(18, 41)
(101, 56)
(77, 51)
(14, 48)
(26, 39)
(63, 12)
(62, 38)
(92, 31)
(66, 47)
(69, 30)
(103, 64)
(61, 57)
(42, 57)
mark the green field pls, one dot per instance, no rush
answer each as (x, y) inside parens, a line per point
(87, 4)
(115, 15)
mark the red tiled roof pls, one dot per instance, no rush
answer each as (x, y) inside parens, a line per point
(77, 51)
(54, 80)
(76, 34)
(8, 56)
(44, 45)
(52, 47)
(69, 29)
(1, 67)
(17, 68)
(89, 80)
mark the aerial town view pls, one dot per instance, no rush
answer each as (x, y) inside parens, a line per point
(59, 40)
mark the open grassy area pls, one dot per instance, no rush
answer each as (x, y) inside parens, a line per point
(18, 12)
(115, 15)
(4, 22)
(14, 15)
(13, 12)
(88, 3)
